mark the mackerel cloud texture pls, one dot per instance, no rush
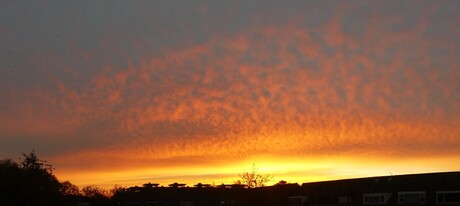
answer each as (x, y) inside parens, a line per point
(217, 80)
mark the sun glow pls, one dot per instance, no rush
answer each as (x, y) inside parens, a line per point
(293, 170)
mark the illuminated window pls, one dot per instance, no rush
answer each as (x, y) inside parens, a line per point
(411, 198)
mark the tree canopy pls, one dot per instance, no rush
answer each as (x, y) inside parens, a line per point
(253, 178)
(31, 182)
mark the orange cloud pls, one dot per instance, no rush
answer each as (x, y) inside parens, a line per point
(289, 91)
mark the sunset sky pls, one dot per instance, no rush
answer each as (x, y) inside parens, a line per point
(129, 92)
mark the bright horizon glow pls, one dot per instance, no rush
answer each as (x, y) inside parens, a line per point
(321, 169)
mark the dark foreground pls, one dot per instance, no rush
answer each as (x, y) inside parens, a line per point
(32, 183)
(417, 189)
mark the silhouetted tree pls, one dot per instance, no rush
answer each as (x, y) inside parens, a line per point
(94, 191)
(40, 185)
(69, 189)
(96, 195)
(117, 189)
(10, 181)
(31, 162)
(253, 178)
(31, 182)
(117, 194)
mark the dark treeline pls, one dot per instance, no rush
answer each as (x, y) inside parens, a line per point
(31, 182)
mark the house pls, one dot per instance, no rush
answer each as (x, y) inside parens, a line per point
(177, 185)
(414, 189)
(205, 195)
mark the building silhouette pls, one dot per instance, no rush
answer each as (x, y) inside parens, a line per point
(415, 189)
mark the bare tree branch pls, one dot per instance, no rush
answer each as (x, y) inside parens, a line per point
(253, 178)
